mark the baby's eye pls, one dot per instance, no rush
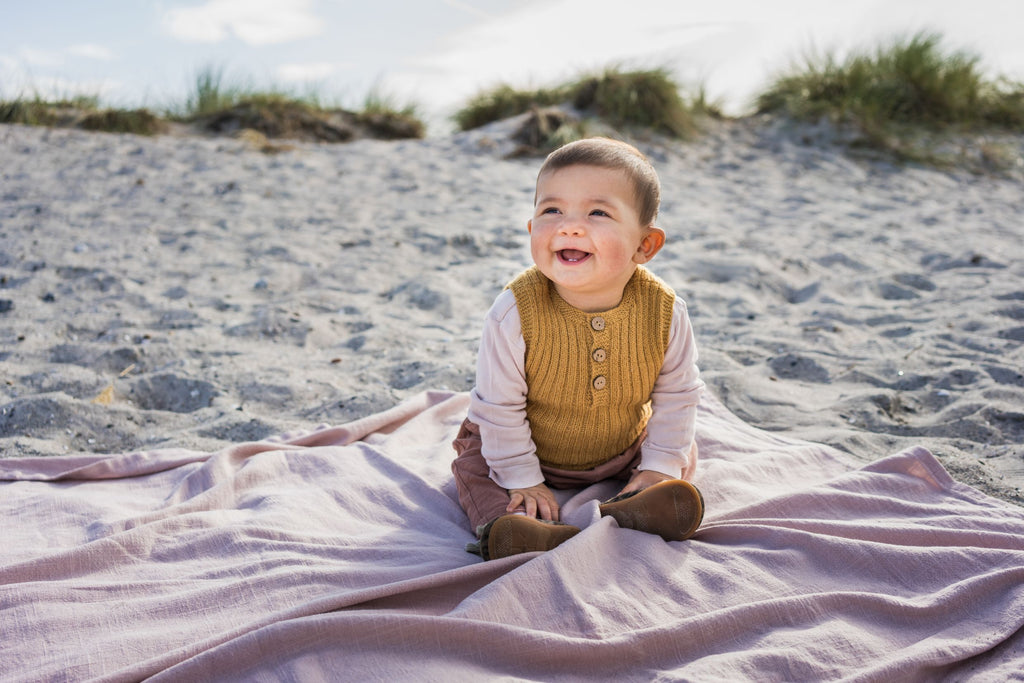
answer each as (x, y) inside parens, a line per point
(550, 209)
(599, 212)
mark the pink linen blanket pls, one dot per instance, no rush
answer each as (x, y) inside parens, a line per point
(338, 555)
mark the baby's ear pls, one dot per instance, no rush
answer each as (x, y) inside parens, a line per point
(652, 242)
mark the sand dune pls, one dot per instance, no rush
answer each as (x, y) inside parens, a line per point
(191, 291)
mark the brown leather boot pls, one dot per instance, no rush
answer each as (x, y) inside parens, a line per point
(514, 534)
(671, 509)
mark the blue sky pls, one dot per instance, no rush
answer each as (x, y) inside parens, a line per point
(439, 52)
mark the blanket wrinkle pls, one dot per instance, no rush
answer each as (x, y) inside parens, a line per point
(915, 463)
(428, 596)
(95, 467)
(340, 550)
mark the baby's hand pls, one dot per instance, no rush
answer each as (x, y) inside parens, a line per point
(535, 499)
(642, 479)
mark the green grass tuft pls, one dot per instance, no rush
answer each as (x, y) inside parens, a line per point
(210, 93)
(1004, 104)
(897, 92)
(136, 121)
(503, 102)
(81, 112)
(40, 112)
(227, 106)
(639, 99)
(388, 119)
(648, 99)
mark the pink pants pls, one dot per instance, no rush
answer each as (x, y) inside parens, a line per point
(483, 499)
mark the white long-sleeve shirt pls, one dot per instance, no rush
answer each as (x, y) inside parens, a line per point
(498, 401)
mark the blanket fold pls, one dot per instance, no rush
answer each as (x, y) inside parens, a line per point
(338, 553)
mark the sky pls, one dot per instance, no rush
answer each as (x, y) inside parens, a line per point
(438, 53)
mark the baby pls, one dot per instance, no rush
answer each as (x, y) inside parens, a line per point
(587, 366)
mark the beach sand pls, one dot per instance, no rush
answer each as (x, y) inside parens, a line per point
(192, 291)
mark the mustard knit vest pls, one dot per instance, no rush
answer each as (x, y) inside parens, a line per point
(590, 375)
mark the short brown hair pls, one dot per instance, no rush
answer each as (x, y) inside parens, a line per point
(616, 155)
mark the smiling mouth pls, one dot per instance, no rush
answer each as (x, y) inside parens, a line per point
(572, 255)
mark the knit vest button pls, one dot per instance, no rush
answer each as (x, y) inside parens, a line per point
(600, 382)
(599, 355)
(597, 322)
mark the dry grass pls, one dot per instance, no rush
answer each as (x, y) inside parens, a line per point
(902, 96)
(217, 106)
(80, 112)
(625, 100)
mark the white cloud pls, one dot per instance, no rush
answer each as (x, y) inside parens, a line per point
(34, 57)
(256, 22)
(305, 73)
(91, 51)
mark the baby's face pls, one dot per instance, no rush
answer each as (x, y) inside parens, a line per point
(585, 235)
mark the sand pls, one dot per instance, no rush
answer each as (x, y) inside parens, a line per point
(192, 291)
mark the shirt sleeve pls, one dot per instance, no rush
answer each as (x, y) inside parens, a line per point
(668, 448)
(498, 401)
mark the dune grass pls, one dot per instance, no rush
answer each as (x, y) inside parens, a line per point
(209, 93)
(899, 91)
(636, 99)
(902, 96)
(502, 102)
(278, 112)
(136, 121)
(212, 91)
(82, 111)
(36, 111)
(645, 99)
(392, 120)
(225, 105)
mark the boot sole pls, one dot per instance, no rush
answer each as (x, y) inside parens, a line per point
(515, 534)
(671, 509)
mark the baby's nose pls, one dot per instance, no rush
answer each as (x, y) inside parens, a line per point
(572, 226)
